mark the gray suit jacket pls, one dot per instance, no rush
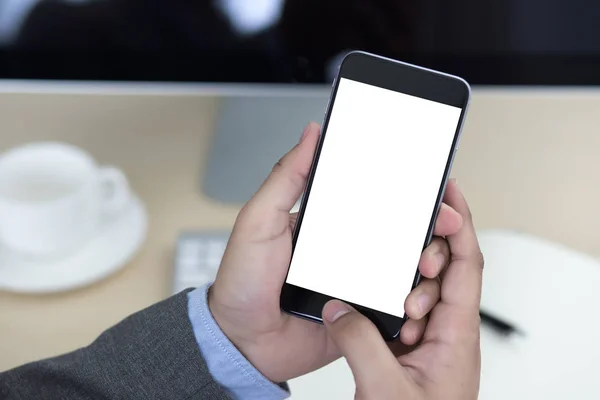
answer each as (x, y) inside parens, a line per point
(150, 355)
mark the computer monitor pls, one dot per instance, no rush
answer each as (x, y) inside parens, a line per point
(274, 60)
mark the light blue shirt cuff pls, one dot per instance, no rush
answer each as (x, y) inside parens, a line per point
(226, 364)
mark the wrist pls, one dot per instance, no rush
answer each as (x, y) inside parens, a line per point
(242, 339)
(225, 363)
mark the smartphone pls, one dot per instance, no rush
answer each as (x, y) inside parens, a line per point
(376, 184)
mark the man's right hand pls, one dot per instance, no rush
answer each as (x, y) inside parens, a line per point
(446, 364)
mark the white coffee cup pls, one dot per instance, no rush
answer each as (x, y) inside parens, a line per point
(53, 197)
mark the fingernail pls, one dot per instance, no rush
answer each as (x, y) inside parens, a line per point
(305, 133)
(334, 310)
(455, 181)
(423, 302)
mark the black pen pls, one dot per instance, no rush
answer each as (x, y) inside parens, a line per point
(502, 327)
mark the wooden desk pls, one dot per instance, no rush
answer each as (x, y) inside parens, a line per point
(160, 143)
(528, 161)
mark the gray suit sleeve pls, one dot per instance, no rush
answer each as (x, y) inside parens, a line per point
(150, 355)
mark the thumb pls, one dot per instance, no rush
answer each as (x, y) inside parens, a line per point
(358, 340)
(287, 180)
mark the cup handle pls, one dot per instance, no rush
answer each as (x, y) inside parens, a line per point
(115, 189)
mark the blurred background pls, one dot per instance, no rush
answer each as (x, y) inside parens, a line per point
(508, 42)
(195, 100)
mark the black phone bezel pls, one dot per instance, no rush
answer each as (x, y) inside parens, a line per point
(400, 77)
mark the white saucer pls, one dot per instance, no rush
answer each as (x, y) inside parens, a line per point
(110, 250)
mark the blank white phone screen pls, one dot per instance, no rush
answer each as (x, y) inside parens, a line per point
(373, 194)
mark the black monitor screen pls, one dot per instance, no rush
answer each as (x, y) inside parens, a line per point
(511, 42)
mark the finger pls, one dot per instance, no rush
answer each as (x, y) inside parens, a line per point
(371, 361)
(287, 180)
(434, 258)
(461, 286)
(448, 221)
(422, 299)
(412, 331)
(266, 215)
(399, 348)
